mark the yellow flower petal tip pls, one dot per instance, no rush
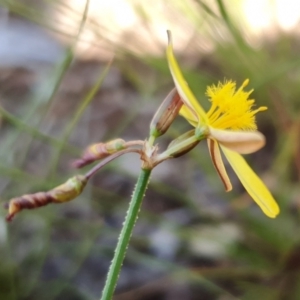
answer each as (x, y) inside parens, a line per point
(270, 208)
(252, 183)
(272, 214)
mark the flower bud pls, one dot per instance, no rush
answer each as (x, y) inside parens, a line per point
(98, 151)
(62, 193)
(183, 144)
(68, 190)
(166, 113)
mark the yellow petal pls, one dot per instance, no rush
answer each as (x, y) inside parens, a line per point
(252, 183)
(218, 163)
(186, 113)
(183, 89)
(243, 142)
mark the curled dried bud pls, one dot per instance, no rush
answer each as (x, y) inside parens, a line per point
(166, 113)
(98, 151)
(62, 193)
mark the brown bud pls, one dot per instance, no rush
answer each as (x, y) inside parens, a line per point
(62, 193)
(166, 113)
(98, 151)
(28, 201)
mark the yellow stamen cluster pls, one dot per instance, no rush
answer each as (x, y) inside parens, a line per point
(231, 108)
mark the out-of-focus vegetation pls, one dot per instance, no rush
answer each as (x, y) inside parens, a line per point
(192, 241)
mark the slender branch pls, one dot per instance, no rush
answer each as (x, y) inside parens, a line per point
(130, 219)
(104, 162)
(135, 143)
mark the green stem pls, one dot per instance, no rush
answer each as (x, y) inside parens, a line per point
(151, 140)
(131, 217)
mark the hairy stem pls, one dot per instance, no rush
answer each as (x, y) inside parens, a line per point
(124, 238)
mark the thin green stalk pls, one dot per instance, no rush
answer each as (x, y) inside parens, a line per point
(124, 237)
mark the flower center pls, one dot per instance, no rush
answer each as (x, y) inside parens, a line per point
(231, 108)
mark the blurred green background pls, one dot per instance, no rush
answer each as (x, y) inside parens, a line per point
(58, 95)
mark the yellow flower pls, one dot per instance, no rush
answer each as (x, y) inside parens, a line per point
(230, 123)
